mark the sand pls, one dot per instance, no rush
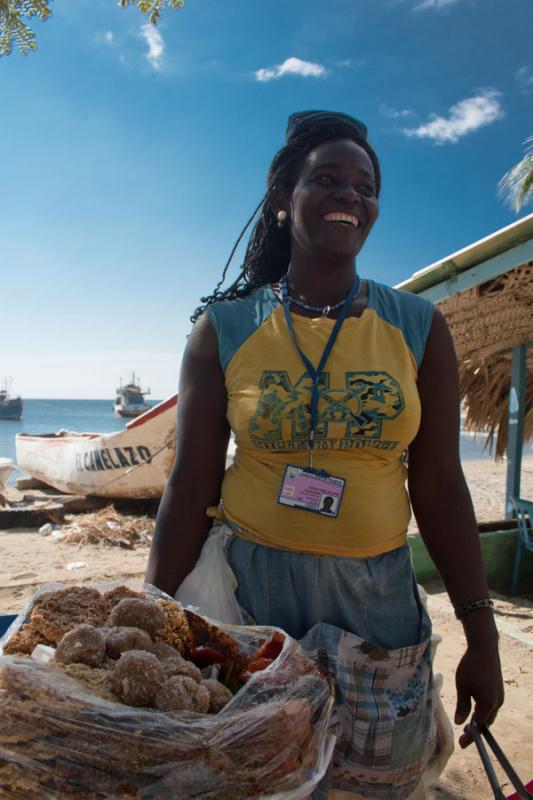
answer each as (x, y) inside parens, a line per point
(486, 481)
(30, 559)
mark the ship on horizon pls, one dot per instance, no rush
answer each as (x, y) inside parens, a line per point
(130, 401)
(10, 406)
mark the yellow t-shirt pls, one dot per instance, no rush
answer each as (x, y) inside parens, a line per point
(368, 413)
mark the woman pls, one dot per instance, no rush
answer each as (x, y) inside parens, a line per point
(325, 380)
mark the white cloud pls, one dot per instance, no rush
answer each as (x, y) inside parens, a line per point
(395, 113)
(156, 45)
(425, 4)
(106, 37)
(465, 117)
(524, 76)
(291, 66)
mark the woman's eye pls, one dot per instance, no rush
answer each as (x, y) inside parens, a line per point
(366, 191)
(327, 179)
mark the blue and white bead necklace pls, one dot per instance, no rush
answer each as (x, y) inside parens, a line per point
(322, 310)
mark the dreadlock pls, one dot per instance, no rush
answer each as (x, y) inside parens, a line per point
(268, 251)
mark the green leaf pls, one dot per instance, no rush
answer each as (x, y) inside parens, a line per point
(516, 186)
(13, 28)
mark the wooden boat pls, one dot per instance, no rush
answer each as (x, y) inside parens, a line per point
(131, 463)
(130, 399)
(6, 468)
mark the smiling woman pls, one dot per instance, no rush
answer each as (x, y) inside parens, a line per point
(325, 380)
(269, 249)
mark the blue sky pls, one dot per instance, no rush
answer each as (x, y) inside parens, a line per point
(132, 155)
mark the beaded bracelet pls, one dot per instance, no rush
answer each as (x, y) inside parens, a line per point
(474, 605)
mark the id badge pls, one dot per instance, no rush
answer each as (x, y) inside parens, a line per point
(311, 490)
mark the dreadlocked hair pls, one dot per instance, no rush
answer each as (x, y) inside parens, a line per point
(268, 251)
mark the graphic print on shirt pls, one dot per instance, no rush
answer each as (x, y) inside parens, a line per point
(282, 415)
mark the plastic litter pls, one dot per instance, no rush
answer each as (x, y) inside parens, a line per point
(46, 530)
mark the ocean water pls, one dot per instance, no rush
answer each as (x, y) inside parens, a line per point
(96, 416)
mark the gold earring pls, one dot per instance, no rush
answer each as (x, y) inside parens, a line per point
(282, 218)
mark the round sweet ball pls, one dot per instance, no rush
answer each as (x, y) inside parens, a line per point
(219, 695)
(198, 693)
(137, 612)
(181, 693)
(120, 640)
(137, 678)
(84, 644)
(179, 666)
(173, 696)
(164, 651)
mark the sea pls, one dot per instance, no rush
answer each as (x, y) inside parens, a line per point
(96, 416)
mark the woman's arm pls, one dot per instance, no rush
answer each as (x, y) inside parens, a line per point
(202, 437)
(445, 516)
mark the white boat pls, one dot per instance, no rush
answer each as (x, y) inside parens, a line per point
(130, 399)
(131, 463)
(6, 468)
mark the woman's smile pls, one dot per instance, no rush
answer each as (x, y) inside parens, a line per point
(342, 218)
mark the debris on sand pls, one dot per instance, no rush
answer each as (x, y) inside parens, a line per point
(108, 527)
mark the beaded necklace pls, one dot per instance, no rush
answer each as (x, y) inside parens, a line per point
(322, 310)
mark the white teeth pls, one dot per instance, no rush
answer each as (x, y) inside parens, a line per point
(336, 216)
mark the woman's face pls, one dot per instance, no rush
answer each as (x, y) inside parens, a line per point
(333, 205)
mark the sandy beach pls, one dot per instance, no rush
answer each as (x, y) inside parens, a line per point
(30, 559)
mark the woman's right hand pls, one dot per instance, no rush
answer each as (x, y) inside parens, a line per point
(202, 436)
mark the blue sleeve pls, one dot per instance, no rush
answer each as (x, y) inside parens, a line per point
(234, 321)
(412, 314)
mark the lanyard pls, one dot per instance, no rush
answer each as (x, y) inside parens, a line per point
(316, 374)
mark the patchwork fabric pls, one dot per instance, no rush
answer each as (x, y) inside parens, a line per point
(384, 717)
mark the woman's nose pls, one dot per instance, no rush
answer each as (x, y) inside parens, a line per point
(347, 194)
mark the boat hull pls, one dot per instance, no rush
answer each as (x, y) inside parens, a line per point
(132, 463)
(6, 468)
(131, 410)
(11, 409)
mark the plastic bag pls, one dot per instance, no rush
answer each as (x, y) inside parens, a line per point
(211, 585)
(60, 741)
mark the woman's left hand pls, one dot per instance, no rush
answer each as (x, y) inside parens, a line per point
(478, 678)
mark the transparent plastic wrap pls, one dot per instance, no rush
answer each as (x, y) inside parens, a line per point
(60, 739)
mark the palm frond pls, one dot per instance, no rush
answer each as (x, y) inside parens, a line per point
(13, 28)
(152, 8)
(516, 186)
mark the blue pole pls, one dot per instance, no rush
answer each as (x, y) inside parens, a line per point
(517, 412)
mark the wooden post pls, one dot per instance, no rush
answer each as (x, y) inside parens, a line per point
(517, 412)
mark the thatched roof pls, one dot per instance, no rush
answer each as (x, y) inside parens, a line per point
(486, 322)
(485, 291)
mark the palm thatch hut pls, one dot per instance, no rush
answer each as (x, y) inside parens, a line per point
(485, 291)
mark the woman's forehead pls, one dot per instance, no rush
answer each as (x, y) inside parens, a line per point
(339, 152)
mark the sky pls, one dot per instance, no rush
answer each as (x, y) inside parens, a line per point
(132, 155)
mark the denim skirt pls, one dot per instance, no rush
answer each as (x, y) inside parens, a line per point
(361, 619)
